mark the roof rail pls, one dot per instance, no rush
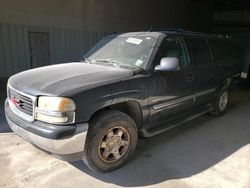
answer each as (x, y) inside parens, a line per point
(171, 29)
(201, 33)
(179, 30)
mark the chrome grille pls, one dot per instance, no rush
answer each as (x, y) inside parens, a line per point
(22, 104)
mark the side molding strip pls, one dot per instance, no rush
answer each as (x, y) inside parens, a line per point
(177, 102)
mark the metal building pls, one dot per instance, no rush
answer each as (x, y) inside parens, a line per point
(25, 47)
(39, 33)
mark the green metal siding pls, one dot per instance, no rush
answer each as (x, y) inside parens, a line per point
(64, 45)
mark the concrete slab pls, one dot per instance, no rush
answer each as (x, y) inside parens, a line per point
(206, 152)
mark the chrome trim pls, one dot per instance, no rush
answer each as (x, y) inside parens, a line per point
(65, 146)
(172, 103)
(17, 111)
(176, 102)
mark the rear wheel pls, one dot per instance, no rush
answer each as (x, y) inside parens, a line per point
(221, 103)
(111, 141)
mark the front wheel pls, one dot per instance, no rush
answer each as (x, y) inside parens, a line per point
(221, 103)
(111, 141)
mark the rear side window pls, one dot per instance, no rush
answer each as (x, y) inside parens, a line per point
(224, 50)
(200, 52)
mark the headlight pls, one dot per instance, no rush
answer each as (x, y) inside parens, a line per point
(56, 104)
(55, 110)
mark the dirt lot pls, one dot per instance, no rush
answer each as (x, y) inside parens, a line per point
(207, 152)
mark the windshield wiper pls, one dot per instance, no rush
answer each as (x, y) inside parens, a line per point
(87, 60)
(140, 71)
(114, 63)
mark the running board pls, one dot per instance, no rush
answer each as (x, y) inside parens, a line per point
(169, 125)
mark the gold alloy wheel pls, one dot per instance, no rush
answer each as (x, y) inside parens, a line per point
(114, 144)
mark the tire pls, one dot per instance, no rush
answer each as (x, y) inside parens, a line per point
(221, 103)
(111, 141)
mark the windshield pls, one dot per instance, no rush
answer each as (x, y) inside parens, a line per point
(127, 52)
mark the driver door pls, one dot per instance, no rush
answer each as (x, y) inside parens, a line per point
(170, 92)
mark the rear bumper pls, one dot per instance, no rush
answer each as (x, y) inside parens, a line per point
(67, 148)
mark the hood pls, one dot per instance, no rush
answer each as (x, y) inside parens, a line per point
(56, 80)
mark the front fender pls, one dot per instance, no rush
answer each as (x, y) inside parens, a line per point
(91, 101)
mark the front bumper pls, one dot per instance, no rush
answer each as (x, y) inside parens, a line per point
(68, 145)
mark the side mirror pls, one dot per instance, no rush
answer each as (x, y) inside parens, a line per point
(168, 64)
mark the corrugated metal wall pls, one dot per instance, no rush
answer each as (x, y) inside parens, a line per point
(231, 21)
(64, 46)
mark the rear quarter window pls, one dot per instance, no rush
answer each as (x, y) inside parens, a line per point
(224, 50)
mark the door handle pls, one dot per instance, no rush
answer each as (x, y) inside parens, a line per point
(190, 76)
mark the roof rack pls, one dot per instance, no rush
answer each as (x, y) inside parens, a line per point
(179, 30)
(171, 29)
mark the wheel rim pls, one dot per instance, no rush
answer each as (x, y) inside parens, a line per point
(223, 101)
(114, 144)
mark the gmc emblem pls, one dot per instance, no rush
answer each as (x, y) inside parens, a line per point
(15, 101)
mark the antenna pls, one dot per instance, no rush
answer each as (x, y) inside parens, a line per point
(150, 29)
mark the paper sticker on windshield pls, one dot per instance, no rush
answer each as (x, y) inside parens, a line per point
(138, 62)
(134, 40)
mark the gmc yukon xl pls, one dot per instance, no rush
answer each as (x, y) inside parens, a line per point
(127, 85)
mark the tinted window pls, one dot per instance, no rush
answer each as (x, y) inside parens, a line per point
(200, 51)
(174, 47)
(224, 50)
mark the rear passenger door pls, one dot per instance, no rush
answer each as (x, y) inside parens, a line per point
(204, 70)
